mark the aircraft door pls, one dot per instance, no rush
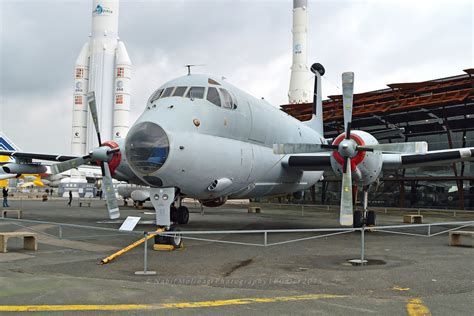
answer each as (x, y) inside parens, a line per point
(258, 132)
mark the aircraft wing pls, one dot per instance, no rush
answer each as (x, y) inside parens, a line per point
(322, 161)
(430, 158)
(29, 156)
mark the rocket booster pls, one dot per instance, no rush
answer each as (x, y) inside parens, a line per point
(300, 80)
(103, 66)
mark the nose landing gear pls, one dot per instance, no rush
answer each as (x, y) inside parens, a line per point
(175, 240)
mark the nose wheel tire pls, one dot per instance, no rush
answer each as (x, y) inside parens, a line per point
(176, 240)
(182, 215)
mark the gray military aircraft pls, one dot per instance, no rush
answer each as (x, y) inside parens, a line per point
(202, 137)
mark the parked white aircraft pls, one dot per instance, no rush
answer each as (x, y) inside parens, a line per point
(34, 173)
(202, 137)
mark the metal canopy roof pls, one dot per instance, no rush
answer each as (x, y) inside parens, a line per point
(419, 107)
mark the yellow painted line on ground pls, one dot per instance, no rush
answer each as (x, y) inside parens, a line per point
(416, 307)
(129, 307)
(399, 288)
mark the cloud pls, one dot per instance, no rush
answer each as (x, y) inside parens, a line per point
(248, 42)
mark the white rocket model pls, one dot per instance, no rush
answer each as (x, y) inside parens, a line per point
(300, 81)
(103, 66)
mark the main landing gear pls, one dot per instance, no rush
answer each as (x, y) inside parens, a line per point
(364, 217)
(179, 214)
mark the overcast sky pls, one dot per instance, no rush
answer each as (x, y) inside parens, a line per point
(248, 42)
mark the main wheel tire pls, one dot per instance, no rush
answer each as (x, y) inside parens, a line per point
(182, 215)
(358, 219)
(173, 214)
(176, 240)
(370, 218)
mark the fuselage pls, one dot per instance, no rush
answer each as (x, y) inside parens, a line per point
(197, 131)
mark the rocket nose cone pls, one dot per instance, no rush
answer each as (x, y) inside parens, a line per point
(300, 4)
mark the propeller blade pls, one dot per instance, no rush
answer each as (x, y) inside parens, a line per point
(346, 213)
(93, 110)
(107, 187)
(397, 148)
(347, 100)
(69, 164)
(283, 149)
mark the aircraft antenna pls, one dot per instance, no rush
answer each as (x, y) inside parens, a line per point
(189, 67)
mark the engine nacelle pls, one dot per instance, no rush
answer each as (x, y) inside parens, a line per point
(215, 202)
(140, 195)
(17, 168)
(365, 165)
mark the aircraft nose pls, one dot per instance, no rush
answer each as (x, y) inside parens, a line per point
(146, 147)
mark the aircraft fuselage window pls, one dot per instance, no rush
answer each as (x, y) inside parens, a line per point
(227, 99)
(179, 92)
(156, 95)
(196, 93)
(167, 92)
(213, 96)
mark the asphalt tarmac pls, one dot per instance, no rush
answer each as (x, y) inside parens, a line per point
(405, 275)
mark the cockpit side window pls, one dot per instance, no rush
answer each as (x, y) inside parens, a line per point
(167, 92)
(155, 96)
(213, 96)
(179, 92)
(227, 99)
(196, 93)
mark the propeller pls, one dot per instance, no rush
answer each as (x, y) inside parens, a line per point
(347, 150)
(111, 199)
(103, 154)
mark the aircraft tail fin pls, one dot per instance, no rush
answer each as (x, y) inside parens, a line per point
(7, 144)
(316, 121)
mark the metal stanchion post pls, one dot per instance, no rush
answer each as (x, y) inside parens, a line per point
(145, 258)
(60, 233)
(362, 246)
(145, 254)
(265, 238)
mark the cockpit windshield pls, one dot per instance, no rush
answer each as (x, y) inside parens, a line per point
(213, 96)
(196, 93)
(214, 93)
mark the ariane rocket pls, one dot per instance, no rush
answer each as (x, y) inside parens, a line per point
(103, 66)
(300, 81)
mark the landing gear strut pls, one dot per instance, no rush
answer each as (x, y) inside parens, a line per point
(364, 217)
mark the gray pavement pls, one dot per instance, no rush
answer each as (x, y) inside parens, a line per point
(405, 274)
